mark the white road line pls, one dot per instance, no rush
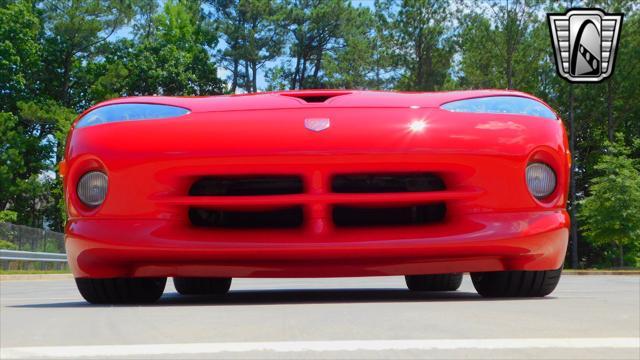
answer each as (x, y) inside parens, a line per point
(109, 351)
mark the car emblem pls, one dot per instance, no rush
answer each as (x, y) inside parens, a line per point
(317, 124)
(585, 43)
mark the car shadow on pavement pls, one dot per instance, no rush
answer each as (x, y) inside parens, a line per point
(298, 296)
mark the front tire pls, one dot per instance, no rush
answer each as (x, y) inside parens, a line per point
(121, 290)
(516, 283)
(202, 286)
(436, 282)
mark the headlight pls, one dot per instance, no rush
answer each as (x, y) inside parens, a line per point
(129, 112)
(92, 188)
(541, 180)
(516, 105)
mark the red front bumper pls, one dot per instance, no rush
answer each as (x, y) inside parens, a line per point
(492, 222)
(479, 242)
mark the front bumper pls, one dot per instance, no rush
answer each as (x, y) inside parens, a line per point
(492, 222)
(477, 242)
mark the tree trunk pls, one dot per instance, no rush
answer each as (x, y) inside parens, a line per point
(610, 124)
(429, 76)
(419, 80)
(621, 248)
(234, 76)
(377, 64)
(318, 65)
(254, 76)
(572, 148)
(509, 73)
(303, 71)
(247, 79)
(510, 52)
(509, 49)
(296, 73)
(66, 74)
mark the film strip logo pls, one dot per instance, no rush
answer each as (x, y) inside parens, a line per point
(591, 60)
(585, 42)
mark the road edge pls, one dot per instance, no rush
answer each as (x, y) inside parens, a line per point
(22, 277)
(16, 277)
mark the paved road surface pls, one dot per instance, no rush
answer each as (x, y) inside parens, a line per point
(586, 317)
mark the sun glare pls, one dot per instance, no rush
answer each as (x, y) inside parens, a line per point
(417, 125)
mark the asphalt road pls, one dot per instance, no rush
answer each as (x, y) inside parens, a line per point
(587, 317)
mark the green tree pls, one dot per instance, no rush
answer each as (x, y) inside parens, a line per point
(623, 92)
(422, 46)
(316, 31)
(174, 59)
(12, 163)
(20, 52)
(74, 31)
(503, 44)
(254, 35)
(610, 215)
(354, 65)
(44, 188)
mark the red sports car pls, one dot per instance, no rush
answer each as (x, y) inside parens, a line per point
(320, 183)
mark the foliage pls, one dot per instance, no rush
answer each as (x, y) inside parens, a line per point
(253, 32)
(176, 61)
(6, 245)
(20, 51)
(8, 216)
(610, 215)
(12, 164)
(421, 44)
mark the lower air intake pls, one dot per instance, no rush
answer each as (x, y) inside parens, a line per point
(281, 218)
(349, 216)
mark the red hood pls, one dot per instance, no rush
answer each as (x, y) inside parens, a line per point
(361, 122)
(296, 99)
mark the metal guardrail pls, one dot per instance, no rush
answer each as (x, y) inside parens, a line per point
(32, 256)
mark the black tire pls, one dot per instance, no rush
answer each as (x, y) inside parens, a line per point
(436, 282)
(121, 290)
(202, 286)
(516, 283)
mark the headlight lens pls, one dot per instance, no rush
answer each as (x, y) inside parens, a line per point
(129, 112)
(501, 105)
(541, 180)
(92, 188)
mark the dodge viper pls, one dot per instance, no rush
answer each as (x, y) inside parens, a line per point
(317, 183)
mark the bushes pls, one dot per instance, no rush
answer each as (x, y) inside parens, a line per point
(6, 245)
(610, 215)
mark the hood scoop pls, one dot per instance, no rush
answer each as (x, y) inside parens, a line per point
(319, 96)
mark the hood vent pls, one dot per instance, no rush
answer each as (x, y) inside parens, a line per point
(315, 96)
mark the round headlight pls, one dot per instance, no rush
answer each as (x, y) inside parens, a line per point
(92, 188)
(541, 180)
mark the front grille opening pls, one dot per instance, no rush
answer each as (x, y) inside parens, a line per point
(246, 185)
(386, 183)
(290, 217)
(349, 216)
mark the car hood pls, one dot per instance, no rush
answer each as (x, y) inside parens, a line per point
(355, 130)
(307, 99)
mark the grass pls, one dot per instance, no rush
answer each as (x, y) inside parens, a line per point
(23, 272)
